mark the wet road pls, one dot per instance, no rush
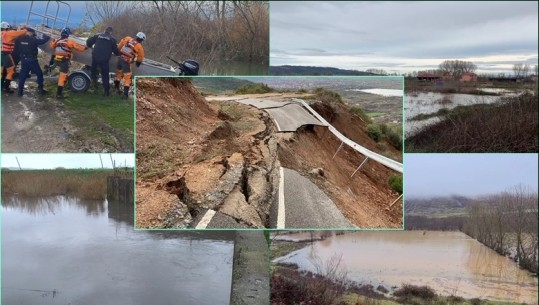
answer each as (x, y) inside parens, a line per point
(68, 251)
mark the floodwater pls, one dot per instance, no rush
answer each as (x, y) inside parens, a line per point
(449, 262)
(431, 102)
(382, 92)
(62, 250)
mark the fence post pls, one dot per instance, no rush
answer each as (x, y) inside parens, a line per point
(366, 158)
(342, 143)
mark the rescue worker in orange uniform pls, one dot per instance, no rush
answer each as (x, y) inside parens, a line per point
(63, 49)
(8, 45)
(131, 50)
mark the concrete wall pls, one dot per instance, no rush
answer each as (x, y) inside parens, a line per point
(251, 269)
(120, 189)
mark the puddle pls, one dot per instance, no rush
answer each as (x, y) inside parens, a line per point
(62, 250)
(449, 262)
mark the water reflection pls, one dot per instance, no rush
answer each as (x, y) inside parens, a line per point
(450, 262)
(52, 205)
(66, 251)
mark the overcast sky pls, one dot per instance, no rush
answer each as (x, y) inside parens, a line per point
(404, 36)
(16, 12)
(427, 175)
(47, 161)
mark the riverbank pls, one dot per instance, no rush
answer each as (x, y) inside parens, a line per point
(82, 183)
(291, 286)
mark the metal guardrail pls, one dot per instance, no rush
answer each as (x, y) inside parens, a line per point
(392, 164)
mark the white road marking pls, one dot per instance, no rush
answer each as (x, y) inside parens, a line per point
(205, 221)
(278, 127)
(280, 209)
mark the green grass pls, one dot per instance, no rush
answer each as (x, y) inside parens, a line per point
(279, 249)
(353, 299)
(94, 115)
(375, 114)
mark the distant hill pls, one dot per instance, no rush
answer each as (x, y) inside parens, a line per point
(437, 206)
(210, 86)
(308, 70)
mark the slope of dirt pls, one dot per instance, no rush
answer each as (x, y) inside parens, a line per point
(354, 128)
(364, 198)
(216, 156)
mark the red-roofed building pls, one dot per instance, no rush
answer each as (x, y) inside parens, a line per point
(468, 77)
(428, 77)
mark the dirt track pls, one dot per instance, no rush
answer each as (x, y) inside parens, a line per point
(42, 124)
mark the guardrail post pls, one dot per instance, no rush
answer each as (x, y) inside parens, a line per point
(394, 202)
(342, 143)
(366, 158)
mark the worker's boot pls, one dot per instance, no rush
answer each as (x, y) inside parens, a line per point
(117, 87)
(6, 86)
(126, 92)
(41, 91)
(19, 92)
(59, 92)
(96, 86)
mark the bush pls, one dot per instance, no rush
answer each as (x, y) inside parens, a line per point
(395, 182)
(394, 138)
(327, 96)
(374, 132)
(257, 88)
(361, 114)
(409, 291)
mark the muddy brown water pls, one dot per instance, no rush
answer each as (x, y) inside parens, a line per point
(68, 251)
(449, 262)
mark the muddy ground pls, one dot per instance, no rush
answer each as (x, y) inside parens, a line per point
(194, 155)
(43, 124)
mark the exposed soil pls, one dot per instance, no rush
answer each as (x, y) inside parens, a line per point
(364, 198)
(224, 156)
(222, 160)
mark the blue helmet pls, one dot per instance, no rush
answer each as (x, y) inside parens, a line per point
(65, 32)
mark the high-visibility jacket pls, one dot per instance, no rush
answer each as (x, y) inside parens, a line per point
(8, 40)
(63, 47)
(131, 50)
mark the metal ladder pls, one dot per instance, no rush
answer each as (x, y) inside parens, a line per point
(47, 15)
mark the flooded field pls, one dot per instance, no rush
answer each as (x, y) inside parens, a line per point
(62, 250)
(449, 262)
(430, 102)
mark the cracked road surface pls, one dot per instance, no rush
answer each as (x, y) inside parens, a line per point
(288, 116)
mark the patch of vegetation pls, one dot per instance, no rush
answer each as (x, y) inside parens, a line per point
(510, 126)
(441, 112)
(374, 132)
(395, 182)
(408, 291)
(327, 96)
(361, 114)
(256, 88)
(82, 183)
(98, 117)
(279, 249)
